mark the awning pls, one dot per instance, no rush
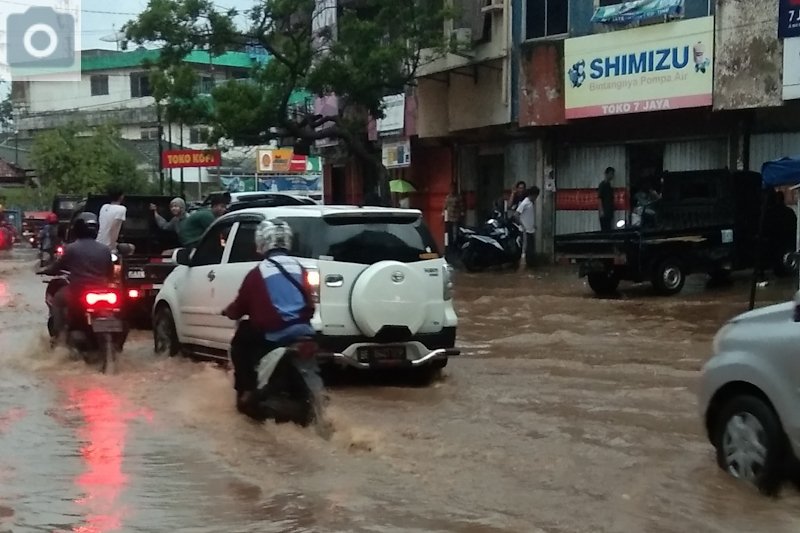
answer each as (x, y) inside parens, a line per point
(781, 172)
(636, 10)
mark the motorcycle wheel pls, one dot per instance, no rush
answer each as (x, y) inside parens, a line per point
(470, 260)
(108, 354)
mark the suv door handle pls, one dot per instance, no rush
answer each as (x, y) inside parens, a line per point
(211, 276)
(334, 280)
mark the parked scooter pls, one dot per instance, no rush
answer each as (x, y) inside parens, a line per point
(497, 243)
(96, 327)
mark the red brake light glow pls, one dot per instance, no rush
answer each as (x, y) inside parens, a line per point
(93, 299)
(60, 250)
(133, 293)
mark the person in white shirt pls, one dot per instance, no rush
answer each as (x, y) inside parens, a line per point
(526, 211)
(112, 216)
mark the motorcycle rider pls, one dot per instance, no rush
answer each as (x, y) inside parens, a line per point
(277, 298)
(88, 263)
(48, 239)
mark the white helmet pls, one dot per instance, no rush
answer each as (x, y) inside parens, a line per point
(273, 235)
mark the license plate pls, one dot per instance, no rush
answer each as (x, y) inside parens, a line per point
(383, 354)
(107, 325)
(136, 274)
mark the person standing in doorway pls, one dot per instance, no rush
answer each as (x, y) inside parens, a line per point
(453, 216)
(518, 196)
(605, 200)
(527, 217)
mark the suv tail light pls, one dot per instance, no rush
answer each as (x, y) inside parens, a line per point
(447, 279)
(101, 300)
(312, 278)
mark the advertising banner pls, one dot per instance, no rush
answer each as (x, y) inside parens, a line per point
(653, 68)
(397, 154)
(788, 19)
(190, 158)
(637, 10)
(301, 183)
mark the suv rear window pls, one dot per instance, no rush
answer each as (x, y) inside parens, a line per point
(362, 240)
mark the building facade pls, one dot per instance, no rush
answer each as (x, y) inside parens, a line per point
(561, 90)
(115, 89)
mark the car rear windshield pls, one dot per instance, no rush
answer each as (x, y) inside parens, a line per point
(362, 240)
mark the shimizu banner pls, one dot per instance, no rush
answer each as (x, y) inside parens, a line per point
(654, 68)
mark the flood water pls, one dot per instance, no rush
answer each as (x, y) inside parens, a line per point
(565, 414)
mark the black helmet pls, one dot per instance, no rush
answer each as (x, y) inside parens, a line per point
(85, 226)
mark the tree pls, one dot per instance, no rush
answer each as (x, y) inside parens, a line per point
(6, 113)
(374, 50)
(78, 160)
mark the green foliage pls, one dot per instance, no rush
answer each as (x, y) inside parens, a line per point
(30, 198)
(6, 113)
(374, 51)
(78, 160)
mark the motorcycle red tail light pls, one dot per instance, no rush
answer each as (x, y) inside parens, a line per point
(60, 250)
(105, 299)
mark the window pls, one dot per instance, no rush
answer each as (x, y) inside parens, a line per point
(140, 85)
(99, 85)
(366, 242)
(604, 3)
(205, 85)
(148, 133)
(211, 248)
(198, 135)
(243, 249)
(545, 18)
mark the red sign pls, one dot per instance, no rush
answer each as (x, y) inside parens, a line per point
(298, 164)
(190, 158)
(586, 199)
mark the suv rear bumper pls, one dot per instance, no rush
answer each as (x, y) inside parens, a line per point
(422, 349)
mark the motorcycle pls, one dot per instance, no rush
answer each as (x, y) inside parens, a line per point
(290, 388)
(498, 243)
(96, 328)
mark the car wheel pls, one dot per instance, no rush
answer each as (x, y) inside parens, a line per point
(751, 444)
(669, 277)
(165, 336)
(603, 283)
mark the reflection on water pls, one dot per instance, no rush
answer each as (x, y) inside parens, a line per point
(5, 295)
(104, 434)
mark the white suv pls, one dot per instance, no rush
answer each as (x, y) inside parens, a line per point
(383, 292)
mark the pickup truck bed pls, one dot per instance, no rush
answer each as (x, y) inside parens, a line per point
(664, 257)
(145, 271)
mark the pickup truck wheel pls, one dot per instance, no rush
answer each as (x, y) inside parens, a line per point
(669, 277)
(786, 264)
(603, 283)
(165, 336)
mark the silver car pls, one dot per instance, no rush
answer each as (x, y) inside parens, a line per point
(750, 393)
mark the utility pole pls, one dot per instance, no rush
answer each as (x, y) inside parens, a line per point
(160, 149)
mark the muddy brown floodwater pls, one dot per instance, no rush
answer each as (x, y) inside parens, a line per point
(566, 413)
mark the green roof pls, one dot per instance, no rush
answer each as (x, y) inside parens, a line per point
(137, 58)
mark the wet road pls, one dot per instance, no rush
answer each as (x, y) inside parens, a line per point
(566, 414)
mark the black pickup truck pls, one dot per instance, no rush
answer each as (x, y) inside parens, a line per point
(705, 222)
(144, 272)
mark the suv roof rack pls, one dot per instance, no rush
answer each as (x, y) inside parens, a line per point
(279, 200)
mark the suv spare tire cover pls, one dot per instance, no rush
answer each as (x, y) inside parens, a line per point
(388, 293)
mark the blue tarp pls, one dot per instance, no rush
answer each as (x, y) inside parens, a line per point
(781, 172)
(636, 10)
